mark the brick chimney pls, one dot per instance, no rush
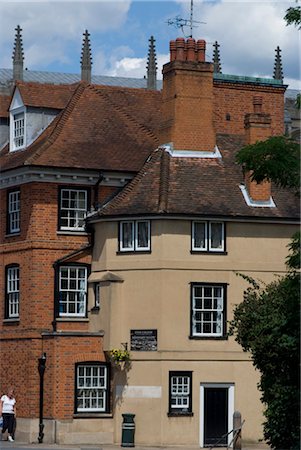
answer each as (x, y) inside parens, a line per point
(257, 128)
(188, 98)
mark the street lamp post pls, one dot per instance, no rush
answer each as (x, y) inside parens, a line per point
(41, 367)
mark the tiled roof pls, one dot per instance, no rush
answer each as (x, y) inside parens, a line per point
(168, 185)
(45, 95)
(102, 128)
(4, 105)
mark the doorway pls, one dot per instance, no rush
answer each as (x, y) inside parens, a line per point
(217, 408)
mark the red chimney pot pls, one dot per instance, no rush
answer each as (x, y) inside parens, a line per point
(201, 48)
(172, 49)
(180, 45)
(257, 104)
(190, 45)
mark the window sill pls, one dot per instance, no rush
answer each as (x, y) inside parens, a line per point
(208, 252)
(17, 233)
(72, 319)
(180, 414)
(11, 321)
(205, 338)
(131, 252)
(91, 415)
(72, 232)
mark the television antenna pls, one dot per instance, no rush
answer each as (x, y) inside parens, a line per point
(178, 22)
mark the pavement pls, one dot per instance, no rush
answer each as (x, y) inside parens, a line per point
(4, 445)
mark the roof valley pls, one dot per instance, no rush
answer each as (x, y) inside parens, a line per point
(164, 182)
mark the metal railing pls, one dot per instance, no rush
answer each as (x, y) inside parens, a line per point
(235, 431)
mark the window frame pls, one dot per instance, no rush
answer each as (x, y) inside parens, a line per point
(10, 213)
(179, 410)
(66, 228)
(8, 292)
(134, 236)
(106, 389)
(68, 315)
(12, 138)
(223, 334)
(208, 247)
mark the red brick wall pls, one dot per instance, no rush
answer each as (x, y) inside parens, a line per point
(237, 100)
(35, 249)
(19, 368)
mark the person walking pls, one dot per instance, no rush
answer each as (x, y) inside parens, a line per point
(8, 412)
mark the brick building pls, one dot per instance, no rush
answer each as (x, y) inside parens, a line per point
(73, 150)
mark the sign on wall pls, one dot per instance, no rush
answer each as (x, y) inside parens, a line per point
(144, 340)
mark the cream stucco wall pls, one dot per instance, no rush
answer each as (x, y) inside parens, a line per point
(155, 294)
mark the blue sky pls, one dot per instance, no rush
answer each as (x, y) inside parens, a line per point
(248, 33)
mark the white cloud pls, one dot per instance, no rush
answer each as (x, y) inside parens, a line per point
(50, 27)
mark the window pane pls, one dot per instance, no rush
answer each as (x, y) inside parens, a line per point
(216, 235)
(13, 293)
(91, 388)
(142, 231)
(127, 235)
(73, 291)
(14, 212)
(180, 393)
(73, 208)
(199, 236)
(207, 310)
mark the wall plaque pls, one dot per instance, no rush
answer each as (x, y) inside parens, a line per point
(144, 340)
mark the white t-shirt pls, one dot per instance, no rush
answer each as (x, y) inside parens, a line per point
(8, 404)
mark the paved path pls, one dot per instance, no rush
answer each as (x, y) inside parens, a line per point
(4, 445)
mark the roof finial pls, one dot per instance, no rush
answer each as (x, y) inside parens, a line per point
(278, 72)
(86, 59)
(152, 65)
(18, 55)
(217, 68)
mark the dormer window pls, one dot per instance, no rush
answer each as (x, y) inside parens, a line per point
(17, 122)
(19, 130)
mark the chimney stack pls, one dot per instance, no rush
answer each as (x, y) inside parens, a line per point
(188, 98)
(257, 128)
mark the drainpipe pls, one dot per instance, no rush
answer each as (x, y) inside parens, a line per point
(41, 368)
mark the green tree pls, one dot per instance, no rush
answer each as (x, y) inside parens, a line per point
(276, 159)
(293, 16)
(266, 324)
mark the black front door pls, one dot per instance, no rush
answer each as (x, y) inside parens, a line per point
(215, 416)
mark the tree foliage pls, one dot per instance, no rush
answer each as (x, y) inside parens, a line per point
(293, 16)
(276, 159)
(267, 324)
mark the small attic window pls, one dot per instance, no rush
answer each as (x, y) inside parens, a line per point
(19, 130)
(228, 116)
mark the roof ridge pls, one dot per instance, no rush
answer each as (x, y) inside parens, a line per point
(133, 183)
(164, 181)
(62, 118)
(121, 110)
